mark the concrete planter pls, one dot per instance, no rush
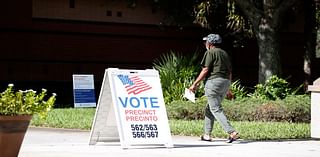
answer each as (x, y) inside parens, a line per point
(12, 131)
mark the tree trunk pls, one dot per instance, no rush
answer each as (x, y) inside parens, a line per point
(266, 17)
(318, 44)
(310, 38)
(268, 42)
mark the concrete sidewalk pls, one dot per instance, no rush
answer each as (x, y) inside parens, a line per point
(41, 142)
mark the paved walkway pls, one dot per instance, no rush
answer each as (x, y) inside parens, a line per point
(41, 142)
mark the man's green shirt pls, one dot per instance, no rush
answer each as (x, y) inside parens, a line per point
(218, 62)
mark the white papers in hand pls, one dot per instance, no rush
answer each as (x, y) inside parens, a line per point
(189, 95)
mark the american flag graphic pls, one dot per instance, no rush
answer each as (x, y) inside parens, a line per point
(134, 84)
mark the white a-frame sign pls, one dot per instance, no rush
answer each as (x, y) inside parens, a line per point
(131, 109)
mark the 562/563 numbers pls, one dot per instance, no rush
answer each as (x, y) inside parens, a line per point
(144, 130)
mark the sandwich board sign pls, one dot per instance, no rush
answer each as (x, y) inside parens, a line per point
(131, 109)
(83, 91)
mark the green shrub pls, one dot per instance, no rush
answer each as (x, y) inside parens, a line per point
(177, 72)
(291, 109)
(241, 109)
(27, 102)
(298, 108)
(274, 88)
(186, 110)
(238, 90)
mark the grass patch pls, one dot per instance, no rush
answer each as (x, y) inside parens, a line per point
(70, 118)
(75, 118)
(248, 130)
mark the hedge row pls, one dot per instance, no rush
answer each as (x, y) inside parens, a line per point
(294, 108)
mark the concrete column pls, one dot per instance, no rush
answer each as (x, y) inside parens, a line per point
(315, 108)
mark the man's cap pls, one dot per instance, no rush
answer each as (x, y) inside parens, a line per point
(213, 38)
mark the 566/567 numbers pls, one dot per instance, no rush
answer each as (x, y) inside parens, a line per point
(144, 130)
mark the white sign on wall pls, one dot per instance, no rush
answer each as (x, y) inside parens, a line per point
(134, 99)
(83, 91)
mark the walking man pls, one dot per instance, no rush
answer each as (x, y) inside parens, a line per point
(216, 73)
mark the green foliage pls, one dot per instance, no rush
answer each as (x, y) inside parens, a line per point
(186, 110)
(297, 108)
(274, 88)
(293, 108)
(237, 22)
(25, 102)
(242, 109)
(238, 90)
(202, 11)
(177, 72)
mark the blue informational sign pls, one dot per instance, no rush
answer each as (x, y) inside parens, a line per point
(84, 95)
(83, 91)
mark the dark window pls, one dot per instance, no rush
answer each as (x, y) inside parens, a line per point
(109, 13)
(119, 14)
(72, 3)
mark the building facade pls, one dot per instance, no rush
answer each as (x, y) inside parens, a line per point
(45, 42)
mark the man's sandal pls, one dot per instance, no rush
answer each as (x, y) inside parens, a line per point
(202, 138)
(233, 137)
